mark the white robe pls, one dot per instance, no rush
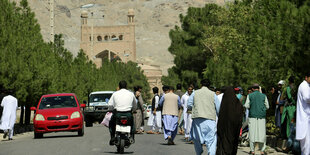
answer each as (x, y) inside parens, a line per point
(155, 120)
(303, 117)
(184, 99)
(220, 97)
(9, 104)
(186, 116)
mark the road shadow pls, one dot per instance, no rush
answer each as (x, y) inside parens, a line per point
(189, 143)
(6, 140)
(165, 144)
(58, 136)
(96, 125)
(117, 153)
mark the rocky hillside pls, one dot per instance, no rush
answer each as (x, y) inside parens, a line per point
(153, 18)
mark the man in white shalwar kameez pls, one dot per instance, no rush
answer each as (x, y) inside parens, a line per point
(220, 97)
(155, 119)
(9, 104)
(187, 115)
(303, 115)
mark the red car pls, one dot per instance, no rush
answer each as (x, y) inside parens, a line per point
(57, 113)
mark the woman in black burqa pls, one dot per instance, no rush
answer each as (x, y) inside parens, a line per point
(229, 123)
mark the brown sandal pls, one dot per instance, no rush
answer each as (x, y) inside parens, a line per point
(150, 132)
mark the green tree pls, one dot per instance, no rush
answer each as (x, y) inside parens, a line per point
(31, 67)
(243, 43)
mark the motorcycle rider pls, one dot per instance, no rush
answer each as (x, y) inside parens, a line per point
(122, 101)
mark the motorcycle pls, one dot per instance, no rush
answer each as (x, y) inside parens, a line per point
(244, 135)
(123, 128)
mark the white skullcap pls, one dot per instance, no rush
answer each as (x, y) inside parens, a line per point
(281, 82)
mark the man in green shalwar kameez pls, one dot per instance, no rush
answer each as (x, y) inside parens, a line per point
(257, 103)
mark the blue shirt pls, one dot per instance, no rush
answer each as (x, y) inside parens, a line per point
(190, 103)
(239, 96)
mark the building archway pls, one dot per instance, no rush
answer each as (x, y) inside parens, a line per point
(108, 55)
(99, 38)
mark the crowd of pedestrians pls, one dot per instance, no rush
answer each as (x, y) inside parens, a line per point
(215, 117)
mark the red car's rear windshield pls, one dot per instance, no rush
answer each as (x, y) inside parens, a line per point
(57, 102)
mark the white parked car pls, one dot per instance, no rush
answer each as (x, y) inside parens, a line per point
(144, 110)
(148, 111)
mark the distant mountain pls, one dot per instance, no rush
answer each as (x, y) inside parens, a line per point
(153, 18)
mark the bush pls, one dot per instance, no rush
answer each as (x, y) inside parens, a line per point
(271, 128)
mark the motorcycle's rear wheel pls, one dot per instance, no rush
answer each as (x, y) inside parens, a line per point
(120, 147)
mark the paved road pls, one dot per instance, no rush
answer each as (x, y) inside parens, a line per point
(94, 142)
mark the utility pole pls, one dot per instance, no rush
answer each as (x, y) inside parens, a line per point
(92, 36)
(51, 3)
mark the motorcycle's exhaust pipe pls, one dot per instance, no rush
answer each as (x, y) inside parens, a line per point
(131, 140)
(117, 141)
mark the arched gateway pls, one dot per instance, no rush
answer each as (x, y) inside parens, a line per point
(106, 54)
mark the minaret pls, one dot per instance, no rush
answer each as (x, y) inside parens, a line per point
(84, 30)
(131, 15)
(84, 16)
(131, 24)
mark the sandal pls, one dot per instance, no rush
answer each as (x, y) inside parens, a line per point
(150, 132)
